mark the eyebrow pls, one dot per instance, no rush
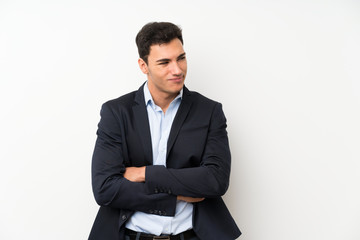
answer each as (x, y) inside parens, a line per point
(181, 55)
(167, 59)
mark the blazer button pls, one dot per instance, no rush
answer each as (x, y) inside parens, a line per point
(160, 213)
(156, 190)
(123, 217)
(151, 211)
(169, 192)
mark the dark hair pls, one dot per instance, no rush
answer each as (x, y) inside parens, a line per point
(156, 33)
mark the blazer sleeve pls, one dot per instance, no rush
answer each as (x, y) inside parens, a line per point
(110, 188)
(210, 179)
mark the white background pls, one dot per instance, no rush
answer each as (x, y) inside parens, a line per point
(287, 73)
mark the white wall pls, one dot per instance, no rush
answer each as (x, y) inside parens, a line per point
(287, 73)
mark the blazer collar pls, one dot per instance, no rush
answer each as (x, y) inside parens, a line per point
(142, 124)
(179, 119)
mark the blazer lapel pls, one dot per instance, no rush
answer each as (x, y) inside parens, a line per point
(179, 119)
(142, 124)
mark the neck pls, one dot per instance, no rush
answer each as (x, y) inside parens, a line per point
(162, 99)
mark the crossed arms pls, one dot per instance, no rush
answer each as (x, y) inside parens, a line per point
(137, 174)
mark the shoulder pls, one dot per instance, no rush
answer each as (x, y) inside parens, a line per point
(203, 107)
(122, 101)
(128, 100)
(200, 100)
(119, 106)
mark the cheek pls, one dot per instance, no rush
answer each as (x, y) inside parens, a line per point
(162, 75)
(158, 74)
(183, 66)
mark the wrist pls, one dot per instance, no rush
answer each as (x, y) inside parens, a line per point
(142, 174)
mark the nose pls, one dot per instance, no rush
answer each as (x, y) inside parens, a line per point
(175, 69)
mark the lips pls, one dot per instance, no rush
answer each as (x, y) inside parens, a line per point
(177, 79)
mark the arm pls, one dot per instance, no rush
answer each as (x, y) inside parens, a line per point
(110, 187)
(137, 174)
(210, 179)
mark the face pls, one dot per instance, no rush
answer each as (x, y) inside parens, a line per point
(166, 69)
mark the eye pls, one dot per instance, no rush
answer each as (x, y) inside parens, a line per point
(181, 58)
(163, 63)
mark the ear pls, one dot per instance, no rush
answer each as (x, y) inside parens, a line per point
(143, 66)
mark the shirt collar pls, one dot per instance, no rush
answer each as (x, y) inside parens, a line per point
(149, 99)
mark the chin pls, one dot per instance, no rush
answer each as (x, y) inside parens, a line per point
(174, 90)
(178, 89)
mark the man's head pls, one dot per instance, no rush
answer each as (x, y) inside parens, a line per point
(156, 33)
(162, 59)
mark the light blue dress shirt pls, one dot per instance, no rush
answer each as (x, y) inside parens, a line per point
(160, 126)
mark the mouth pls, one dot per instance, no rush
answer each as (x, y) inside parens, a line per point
(176, 79)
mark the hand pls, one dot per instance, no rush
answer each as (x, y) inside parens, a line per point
(189, 199)
(135, 174)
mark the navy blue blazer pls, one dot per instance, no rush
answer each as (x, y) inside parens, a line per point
(198, 165)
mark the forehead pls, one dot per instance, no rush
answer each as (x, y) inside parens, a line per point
(169, 50)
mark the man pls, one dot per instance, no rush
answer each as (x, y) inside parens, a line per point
(162, 161)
